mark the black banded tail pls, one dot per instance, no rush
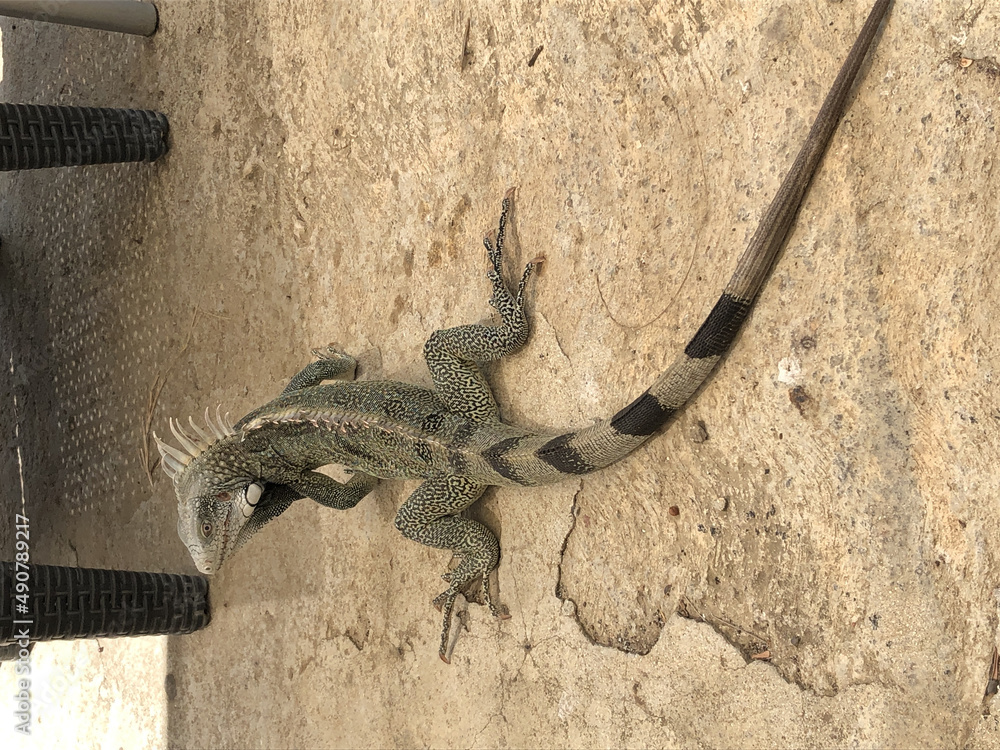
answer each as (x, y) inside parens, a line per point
(607, 441)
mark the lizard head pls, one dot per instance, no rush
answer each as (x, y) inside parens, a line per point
(221, 502)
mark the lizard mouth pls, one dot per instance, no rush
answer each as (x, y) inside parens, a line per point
(210, 557)
(230, 533)
(237, 526)
(231, 525)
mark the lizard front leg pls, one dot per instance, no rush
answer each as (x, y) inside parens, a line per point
(430, 517)
(326, 490)
(330, 363)
(272, 498)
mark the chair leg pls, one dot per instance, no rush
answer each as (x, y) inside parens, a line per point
(35, 136)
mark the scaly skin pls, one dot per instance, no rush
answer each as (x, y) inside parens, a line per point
(230, 481)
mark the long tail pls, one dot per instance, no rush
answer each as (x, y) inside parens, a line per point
(607, 441)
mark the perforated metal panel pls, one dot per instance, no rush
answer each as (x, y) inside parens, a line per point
(79, 335)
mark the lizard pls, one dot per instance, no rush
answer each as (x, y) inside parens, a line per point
(232, 479)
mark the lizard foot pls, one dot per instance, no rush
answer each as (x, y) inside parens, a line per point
(510, 306)
(445, 603)
(330, 351)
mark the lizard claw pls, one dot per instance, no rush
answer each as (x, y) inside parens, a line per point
(445, 602)
(493, 252)
(528, 270)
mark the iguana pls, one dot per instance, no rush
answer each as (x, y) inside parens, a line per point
(230, 480)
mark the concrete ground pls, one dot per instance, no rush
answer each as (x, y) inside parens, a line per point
(809, 557)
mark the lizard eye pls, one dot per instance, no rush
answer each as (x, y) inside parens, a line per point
(254, 491)
(206, 529)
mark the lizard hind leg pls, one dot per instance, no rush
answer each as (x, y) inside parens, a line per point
(453, 354)
(429, 516)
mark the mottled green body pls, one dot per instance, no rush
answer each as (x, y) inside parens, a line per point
(384, 429)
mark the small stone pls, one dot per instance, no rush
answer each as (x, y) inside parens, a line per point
(720, 504)
(674, 510)
(699, 432)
